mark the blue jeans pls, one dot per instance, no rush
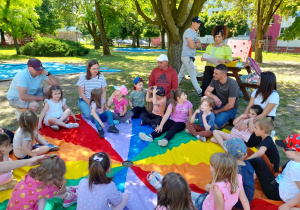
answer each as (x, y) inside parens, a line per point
(199, 201)
(103, 117)
(84, 108)
(223, 117)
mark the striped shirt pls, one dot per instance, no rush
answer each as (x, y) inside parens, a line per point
(90, 84)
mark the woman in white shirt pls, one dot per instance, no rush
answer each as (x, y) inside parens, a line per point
(267, 97)
(86, 83)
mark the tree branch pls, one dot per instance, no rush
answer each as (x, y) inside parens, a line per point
(182, 11)
(139, 10)
(169, 19)
(157, 7)
(173, 8)
(195, 10)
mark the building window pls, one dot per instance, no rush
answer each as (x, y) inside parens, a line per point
(278, 48)
(272, 20)
(290, 48)
(281, 31)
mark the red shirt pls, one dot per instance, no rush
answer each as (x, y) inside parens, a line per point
(167, 79)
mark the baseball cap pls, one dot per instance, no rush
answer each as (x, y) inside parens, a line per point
(196, 19)
(236, 147)
(136, 80)
(162, 57)
(292, 142)
(122, 89)
(36, 64)
(160, 91)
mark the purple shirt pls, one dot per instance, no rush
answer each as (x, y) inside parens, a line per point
(181, 112)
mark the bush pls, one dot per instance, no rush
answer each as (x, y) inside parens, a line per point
(50, 47)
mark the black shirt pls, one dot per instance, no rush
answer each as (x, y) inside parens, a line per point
(271, 152)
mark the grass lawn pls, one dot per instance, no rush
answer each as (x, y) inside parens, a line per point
(285, 66)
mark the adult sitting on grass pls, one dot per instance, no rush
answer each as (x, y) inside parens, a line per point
(25, 90)
(268, 98)
(163, 76)
(226, 98)
(86, 83)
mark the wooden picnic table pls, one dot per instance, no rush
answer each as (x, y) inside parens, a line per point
(234, 72)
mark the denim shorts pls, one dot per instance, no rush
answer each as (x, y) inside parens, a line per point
(19, 104)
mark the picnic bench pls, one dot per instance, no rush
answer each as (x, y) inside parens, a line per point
(234, 72)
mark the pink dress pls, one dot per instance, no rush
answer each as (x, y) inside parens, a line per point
(244, 135)
(27, 193)
(229, 199)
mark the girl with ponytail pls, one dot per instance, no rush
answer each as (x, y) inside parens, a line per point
(98, 191)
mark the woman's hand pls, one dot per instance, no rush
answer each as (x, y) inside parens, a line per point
(203, 59)
(158, 129)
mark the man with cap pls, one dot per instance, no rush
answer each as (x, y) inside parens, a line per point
(164, 76)
(25, 90)
(190, 43)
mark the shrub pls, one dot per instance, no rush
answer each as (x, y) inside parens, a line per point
(50, 47)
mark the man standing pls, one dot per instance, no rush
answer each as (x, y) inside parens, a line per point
(227, 95)
(190, 43)
(164, 76)
(25, 89)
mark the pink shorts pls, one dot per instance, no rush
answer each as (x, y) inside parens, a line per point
(6, 177)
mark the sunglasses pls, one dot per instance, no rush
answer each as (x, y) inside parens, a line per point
(288, 149)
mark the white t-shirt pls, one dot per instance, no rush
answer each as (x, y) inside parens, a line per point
(19, 137)
(90, 84)
(273, 99)
(287, 181)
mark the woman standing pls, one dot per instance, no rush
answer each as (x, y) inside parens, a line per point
(218, 50)
(267, 97)
(86, 83)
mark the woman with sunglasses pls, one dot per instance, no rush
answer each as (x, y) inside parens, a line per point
(86, 83)
(286, 186)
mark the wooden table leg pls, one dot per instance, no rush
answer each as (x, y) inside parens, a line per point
(243, 89)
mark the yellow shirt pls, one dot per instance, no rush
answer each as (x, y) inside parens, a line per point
(223, 52)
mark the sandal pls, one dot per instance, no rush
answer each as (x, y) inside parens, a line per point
(151, 177)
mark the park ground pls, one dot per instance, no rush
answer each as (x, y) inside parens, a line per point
(285, 66)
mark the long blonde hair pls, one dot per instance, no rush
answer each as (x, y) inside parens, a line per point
(50, 172)
(226, 169)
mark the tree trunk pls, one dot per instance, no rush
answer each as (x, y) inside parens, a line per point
(2, 37)
(97, 43)
(17, 45)
(163, 43)
(258, 51)
(106, 50)
(138, 40)
(133, 39)
(174, 52)
(149, 41)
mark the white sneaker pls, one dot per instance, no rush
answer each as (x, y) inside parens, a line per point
(159, 142)
(164, 142)
(54, 127)
(145, 137)
(128, 121)
(187, 131)
(201, 138)
(73, 125)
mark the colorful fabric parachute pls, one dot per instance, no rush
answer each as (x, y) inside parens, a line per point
(132, 159)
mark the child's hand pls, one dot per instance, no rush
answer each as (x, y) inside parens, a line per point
(243, 127)
(154, 90)
(158, 129)
(102, 125)
(39, 126)
(207, 188)
(75, 118)
(122, 114)
(197, 111)
(149, 90)
(7, 150)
